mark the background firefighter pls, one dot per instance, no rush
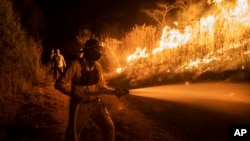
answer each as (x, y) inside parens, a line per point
(80, 78)
(58, 64)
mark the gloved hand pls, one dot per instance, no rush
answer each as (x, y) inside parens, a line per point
(121, 92)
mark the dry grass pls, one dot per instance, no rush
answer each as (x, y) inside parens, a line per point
(21, 67)
(224, 50)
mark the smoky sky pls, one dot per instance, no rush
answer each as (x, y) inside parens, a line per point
(66, 17)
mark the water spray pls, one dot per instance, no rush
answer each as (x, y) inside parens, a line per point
(195, 93)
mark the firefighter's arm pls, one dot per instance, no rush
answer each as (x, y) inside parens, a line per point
(102, 85)
(64, 62)
(79, 94)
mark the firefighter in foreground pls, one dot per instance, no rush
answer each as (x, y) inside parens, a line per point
(81, 78)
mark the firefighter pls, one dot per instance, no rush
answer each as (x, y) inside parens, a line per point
(80, 78)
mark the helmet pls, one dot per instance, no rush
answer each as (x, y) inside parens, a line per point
(92, 50)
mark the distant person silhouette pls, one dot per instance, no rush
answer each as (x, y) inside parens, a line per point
(52, 53)
(58, 64)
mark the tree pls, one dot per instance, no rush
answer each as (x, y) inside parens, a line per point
(183, 4)
(161, 12)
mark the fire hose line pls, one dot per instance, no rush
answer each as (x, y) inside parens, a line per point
(75, 132)
(126, 119)
(76, 136)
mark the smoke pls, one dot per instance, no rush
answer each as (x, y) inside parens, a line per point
(203, 8)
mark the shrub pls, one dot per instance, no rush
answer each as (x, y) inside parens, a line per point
(19, 58)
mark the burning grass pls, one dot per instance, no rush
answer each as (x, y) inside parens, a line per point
(216, 46)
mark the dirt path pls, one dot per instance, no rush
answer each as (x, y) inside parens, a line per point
(45, 118)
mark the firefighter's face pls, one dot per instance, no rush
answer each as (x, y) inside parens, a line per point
(92, 55)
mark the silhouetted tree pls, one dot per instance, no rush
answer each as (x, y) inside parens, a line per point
(163, 8)
(183, 4)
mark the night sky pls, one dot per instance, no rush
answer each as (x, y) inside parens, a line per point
(66, 17)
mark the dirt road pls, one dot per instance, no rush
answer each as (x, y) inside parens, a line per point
(195, 112)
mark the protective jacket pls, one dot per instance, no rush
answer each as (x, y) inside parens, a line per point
(72, 82)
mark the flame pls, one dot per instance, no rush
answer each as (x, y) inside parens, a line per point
(214, 1)
(172, 38)
(232, 23)
(241, 11)
(139, 53)
(119, 70)
(241, 8)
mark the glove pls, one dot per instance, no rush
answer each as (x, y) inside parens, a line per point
(121, 92)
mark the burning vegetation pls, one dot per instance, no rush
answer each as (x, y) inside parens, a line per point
(215, 43)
